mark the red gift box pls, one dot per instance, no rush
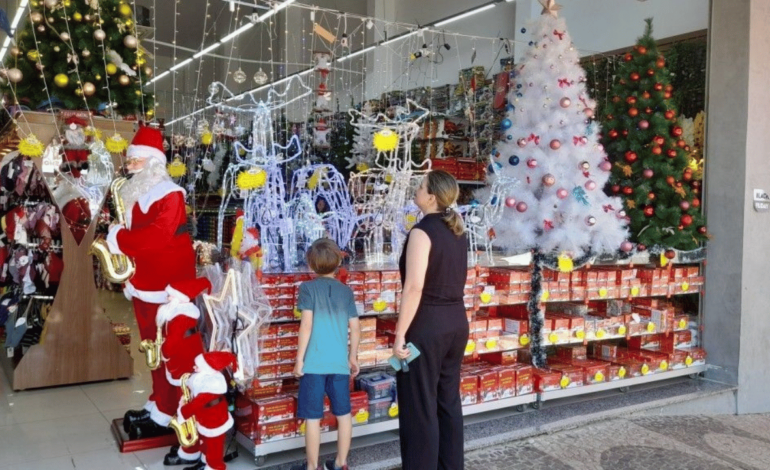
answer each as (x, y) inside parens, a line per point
(277, 431)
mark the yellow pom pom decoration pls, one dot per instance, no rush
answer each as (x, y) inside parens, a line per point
(663, 365)
(553, 338)
(31, 146)
(385, 140)
(91, 131)
(251, 179)
(622, 330)
(470, 347)
(580, 334)
(651, 327)
(565, 263)
(207, 138)
(177, 168)
(645, 369)
(393, 410)
(116, 144)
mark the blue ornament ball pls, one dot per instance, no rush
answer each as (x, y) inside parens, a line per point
(514, 160)
(475, 202)
(509, 137)
(494, 201)
(518, 86)
(506, 124)
(523, 30)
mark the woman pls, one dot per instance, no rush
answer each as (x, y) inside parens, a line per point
(433, 266)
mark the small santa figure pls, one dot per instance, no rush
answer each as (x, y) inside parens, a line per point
(182, 343)
(323, 98)
(209, 407)
(75, 150)
(321, 134)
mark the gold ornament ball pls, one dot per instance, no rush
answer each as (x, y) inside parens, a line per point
(124, 80)
(86, 53)
(50, 3)
(98, 77)
(138, 92)
(125, 10)
(14, 75)
(51, 19)
(148, 71)
(67, 3)
(56, 48)
(87, 17)
(36, 17)
(100, 35)
(150, 112)
(61, 80)
(15, 51)
(33, 55)
(79, 92)
(112, 69)
(89, 89)
(77, 16)
(130, 41)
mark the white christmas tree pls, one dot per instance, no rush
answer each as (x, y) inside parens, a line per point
(363, 153)
(550, 146)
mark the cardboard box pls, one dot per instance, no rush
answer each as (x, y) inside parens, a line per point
(276, 431)
(525, 379)
(682, 339)
(328, 423)
(368, 324)
(572, 376)
(270, 410)
(594, 372)
(502, 358)
(489, 385)
(287, 330)
(359, 407)
(546, 380)
(469, 388)
(507, 382)
(570, 353)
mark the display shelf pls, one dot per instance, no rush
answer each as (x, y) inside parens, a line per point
(261, 451)
(620, 384)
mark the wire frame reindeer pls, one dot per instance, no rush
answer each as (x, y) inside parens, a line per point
(380, 193)
(480, 218)
(257, 176)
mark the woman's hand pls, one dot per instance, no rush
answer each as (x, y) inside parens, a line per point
(399, 348)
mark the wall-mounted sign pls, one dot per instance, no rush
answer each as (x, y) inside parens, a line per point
(761, 200)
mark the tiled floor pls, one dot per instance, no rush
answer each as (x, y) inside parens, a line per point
(69, 427)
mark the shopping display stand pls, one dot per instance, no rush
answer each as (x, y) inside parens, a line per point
(78, 344)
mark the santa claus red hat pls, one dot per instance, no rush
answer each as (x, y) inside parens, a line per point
(185, 291)
(76, 120)
(147, 143)
(214, 362)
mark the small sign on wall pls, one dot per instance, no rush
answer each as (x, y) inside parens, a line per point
(761, 200)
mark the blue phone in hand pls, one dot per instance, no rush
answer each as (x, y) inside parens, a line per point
(403, 364)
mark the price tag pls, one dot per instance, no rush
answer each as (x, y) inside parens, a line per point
(9, 352)
(599, 377)
(663, 365)
(602, 292)
(688, 361)
(362, 416)
(564, 382)
(634, 291)
(470, 347)
(393, 410)
(524, 339)
(622, 330)
(622, 372)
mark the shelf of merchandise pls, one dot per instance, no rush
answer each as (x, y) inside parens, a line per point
(261, 451)
(622, 383)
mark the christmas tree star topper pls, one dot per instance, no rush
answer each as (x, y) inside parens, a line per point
(550, 7)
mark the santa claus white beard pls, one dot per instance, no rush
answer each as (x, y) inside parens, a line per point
(140, 183)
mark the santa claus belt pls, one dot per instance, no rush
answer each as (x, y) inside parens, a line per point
(190, 332)
(213, 402)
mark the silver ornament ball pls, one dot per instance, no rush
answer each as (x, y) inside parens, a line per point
(100, 35)
(130, 41)
(14, 75)
(239, 76)
(260, 78)
(50, 3)
(64, 36)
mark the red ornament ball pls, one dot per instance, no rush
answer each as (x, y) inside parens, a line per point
(696, 184)
(628, 57)
(521, 207)
(670, 254)
(641, 247)
(510, 202)
(615, 188)
(625, 133)
(649, 211)
(681, 143)
(660, 63)
(562, 193)
(659, 140)
(671, 153)
(532, 163)
(696, 202)
(644, 124)
(642, 50)
(648, 173)
(650, 72)
(648, 111)
(657, 150)
(646, 95)
(628, 190)
(669, 114)
(651, 196)
(702, 230)
(687, 175)
(588, 112)
(613, 134)
(605, 165)
(633, 112)
(522, 142)
(634, 76)
(616, 99)
(667, 95)
(670, 180)
(669, 87)
(658, 87)
(686, 220)
(555, 144)
(631, 156)
(684, 205)
(631, 100)
(590, 185)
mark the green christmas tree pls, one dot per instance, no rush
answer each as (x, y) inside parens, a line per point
(70, 51)
(645, 145)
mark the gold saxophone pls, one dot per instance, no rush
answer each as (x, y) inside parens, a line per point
(116, 268)
(151, 350)
(186, 432)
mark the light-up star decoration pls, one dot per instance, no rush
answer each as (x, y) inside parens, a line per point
(236, 315)
(381, 193)
(550, 7)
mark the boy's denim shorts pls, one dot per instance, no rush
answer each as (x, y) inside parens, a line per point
(311, 395)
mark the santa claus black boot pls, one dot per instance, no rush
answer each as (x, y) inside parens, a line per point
(134, 416)
(173, 458)
(198, 466)
(145, 429)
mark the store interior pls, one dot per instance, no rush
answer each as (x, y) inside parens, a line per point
(576, 132)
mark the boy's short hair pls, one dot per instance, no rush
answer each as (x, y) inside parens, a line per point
(324, 256)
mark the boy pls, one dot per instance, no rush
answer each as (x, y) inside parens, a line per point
(323, 361)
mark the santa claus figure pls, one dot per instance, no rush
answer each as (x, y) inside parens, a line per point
(75, 150)
(182, 343)
(155, 237)
(209, 407)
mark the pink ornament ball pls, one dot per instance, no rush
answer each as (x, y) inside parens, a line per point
(549, 180)
(590, 221)
(583, 140)
(555, 144)
(521, 207)
(605, 165)
(590, 185)
(532, 163)
(644, 124)
(522, 142)
(510, 202)
(684, 205)
(588, 112)
(621, 214)
(562, 193)
(565, 102)
(626, 246)
(648, 173)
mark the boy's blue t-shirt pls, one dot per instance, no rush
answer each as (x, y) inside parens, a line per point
(332, 304)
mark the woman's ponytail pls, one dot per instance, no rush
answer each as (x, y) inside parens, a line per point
(445, 188)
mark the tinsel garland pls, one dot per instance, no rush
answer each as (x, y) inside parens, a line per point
(536, 313)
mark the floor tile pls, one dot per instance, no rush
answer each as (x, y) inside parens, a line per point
(51, 403)
(117, 394)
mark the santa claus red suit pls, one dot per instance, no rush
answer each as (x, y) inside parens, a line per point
(209, 407)
(155, 237)
(182, 343)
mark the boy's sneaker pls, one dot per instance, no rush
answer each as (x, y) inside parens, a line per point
(330, 466)
(303, 466)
